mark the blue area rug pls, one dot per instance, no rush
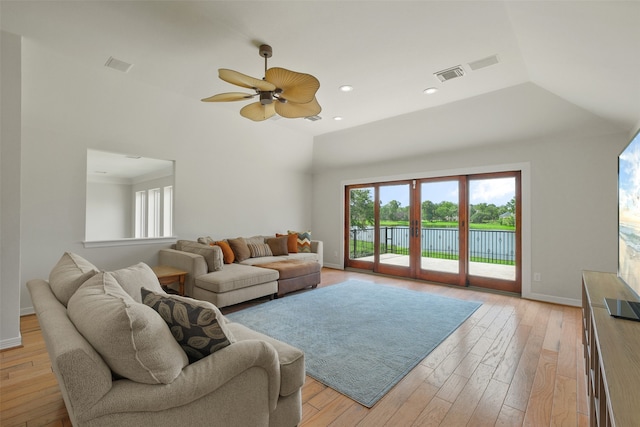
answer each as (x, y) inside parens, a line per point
(359, 338)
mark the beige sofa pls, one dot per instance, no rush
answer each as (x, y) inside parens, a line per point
(210, 279)
(248, 380)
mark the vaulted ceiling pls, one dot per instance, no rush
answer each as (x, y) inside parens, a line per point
(585, 52)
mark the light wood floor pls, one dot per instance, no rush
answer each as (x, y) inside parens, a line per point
(513, 362)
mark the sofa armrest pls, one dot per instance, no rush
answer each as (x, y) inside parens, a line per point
(195, 265)
(318, 247)
(83, 376)
(196, 381)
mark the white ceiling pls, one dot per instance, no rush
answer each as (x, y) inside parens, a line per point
(585, 52)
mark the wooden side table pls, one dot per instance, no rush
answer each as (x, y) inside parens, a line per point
(168, 275)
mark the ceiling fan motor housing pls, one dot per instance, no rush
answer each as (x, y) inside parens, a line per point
(266, 98)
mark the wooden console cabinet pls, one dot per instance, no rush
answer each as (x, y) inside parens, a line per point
(612, 354)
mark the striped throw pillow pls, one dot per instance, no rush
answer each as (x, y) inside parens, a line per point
(259, 250)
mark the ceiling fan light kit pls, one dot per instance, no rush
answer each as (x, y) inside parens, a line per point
(284, 92)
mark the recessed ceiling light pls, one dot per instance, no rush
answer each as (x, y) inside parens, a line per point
(337, 118)
(430, 90)
(346, 88)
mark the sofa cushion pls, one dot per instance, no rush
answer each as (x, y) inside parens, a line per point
(291, 359)
(292, 242)
(134, 278)
(227, 253)
(258, 250)
(303, 240)
(198, 326)
(131, 337)
(211, 254)
(240, 249)
(234, 277)
(278, 245)
(69, 274)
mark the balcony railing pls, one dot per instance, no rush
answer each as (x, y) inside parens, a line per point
(489, 246)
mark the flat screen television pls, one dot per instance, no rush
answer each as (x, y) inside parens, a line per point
(629, 215)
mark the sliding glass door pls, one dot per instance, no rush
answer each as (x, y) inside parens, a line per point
(461, 230)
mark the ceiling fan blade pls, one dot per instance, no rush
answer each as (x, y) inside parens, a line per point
(258, 112)
(228, 96)
(243, 80)
(296, 87)
(291, 110)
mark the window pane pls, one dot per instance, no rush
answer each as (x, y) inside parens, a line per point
(154, 213)
(168, 211)
(361, 223)
(141, 203)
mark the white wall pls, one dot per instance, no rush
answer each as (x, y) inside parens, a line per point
(232, 177)
(109, 214)
(9, 190)
(571, 193)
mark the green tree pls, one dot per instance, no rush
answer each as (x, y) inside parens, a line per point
(361, 208)
(428, 210)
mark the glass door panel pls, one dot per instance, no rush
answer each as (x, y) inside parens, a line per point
(360, 230)
(393, 226)
(440, 224)
(493, 232)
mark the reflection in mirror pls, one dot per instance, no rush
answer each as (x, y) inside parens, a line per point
(128, 197)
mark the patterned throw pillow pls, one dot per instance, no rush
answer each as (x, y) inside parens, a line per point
(304, 240)
(196, 325)
(259, 250)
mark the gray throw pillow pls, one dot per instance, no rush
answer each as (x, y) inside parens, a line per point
(278, 245)
(240, 249)
(69, 274)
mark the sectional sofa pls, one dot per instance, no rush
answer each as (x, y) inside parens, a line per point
(230, 271)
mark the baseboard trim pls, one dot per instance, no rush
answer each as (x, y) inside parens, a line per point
(555, 300)
(334, 266)
(11, 342)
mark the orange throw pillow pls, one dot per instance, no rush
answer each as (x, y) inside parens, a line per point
(227, 253)
(292, 242)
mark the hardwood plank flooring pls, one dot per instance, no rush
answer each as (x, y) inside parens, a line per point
(513, 362)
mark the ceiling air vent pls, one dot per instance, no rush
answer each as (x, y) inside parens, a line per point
(313, 118)
(116, 64)
(484, 62)
(450, 73)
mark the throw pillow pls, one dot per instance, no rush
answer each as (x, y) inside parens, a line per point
(303, 240)
(292, 242)
(256, 240)
(69, 274)
(278, 245)
(131, 279)
(131, 337)
(205, 240)
(198, 326)
(210, 253)
(259, 250)
(240, 249)
(227, 253)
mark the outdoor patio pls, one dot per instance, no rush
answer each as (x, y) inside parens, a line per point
(497, 271)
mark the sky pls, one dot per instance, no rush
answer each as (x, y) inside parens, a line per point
(629, 177)
(497, 191)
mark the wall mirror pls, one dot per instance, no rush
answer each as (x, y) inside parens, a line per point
(129, 198)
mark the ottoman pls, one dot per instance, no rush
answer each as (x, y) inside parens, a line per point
(295, 274)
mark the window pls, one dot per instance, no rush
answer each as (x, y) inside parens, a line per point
(168, 212)
(141, 209)
(154, 212)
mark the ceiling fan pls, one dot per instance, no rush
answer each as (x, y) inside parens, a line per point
(287, 93)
